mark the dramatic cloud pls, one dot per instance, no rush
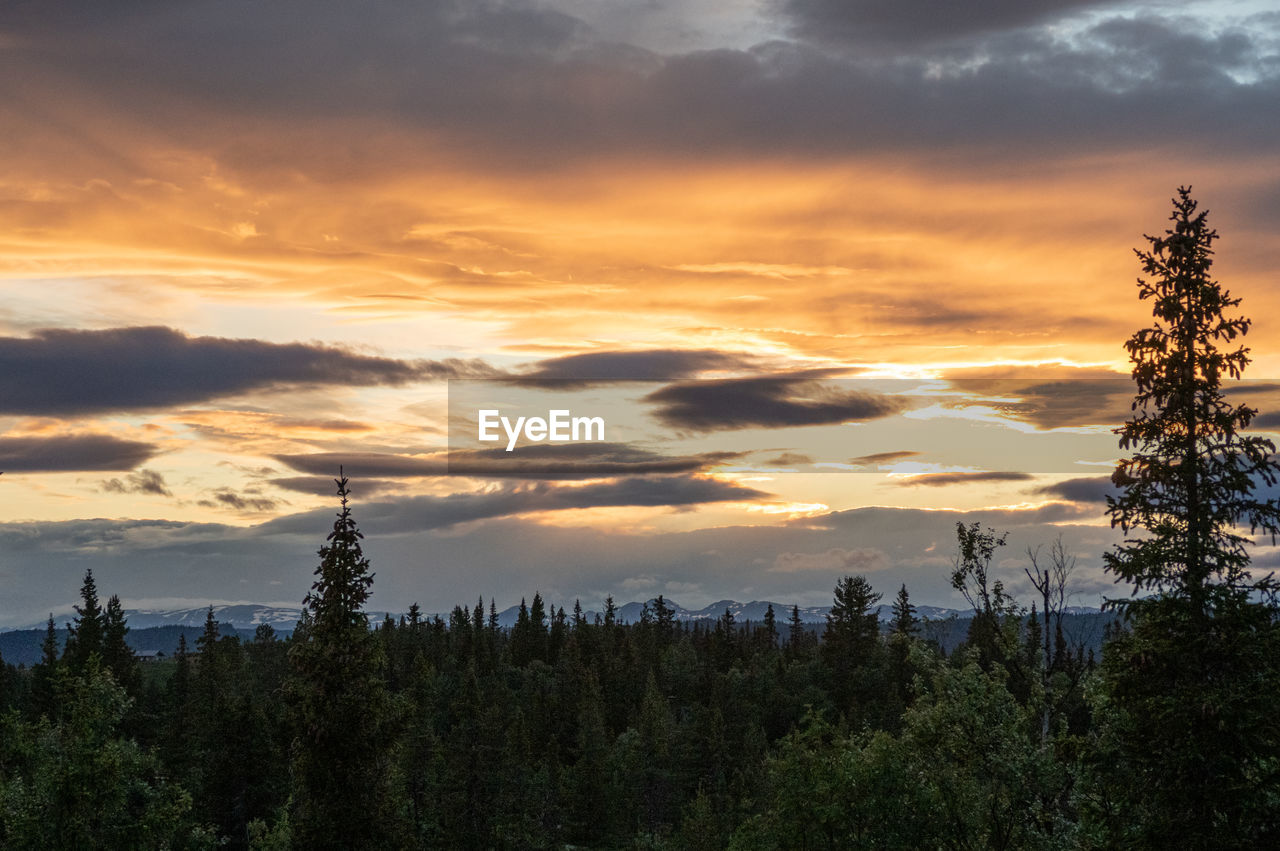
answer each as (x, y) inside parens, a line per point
(1093, 489)
(360, 465)
(789, 459)
(68, 373)
(766, 403)
(71, 452)
(324, 486)
(448, 71)
(592, 190)
(867, 21)
(246, 502)
(567, 461)
(143, 481)
(512, 556)
(1087, 398)
(934, 480)
(651, 365)
(883, 458)
(432, 512)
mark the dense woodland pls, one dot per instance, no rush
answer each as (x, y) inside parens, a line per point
(565, 731)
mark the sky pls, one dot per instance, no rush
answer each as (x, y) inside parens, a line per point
(845, 272)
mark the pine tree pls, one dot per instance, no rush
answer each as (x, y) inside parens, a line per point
(85, 638)
(117, 656)
(770, 628)
(664, 621)
(852, 624)
(181, 682)
(44, 699)
(904, 614)
(1191, 479)
(341, 752)
(795, 631)
(1188, 742)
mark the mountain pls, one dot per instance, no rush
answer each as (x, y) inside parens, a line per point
(153, 630)
(247, 616)
(239, 615)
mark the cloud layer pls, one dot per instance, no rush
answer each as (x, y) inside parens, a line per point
(61, 372)
(71, 452)
(766, 403)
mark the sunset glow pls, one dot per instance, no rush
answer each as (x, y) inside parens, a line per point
(333, 220)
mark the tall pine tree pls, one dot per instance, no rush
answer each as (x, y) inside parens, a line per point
(341, 754)
(1188, 743)
(1189, 485)
(86, 631)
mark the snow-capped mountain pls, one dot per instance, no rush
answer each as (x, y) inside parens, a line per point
(240, 615)
(283, 618)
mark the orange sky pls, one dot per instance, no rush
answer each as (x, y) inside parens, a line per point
(795, 186)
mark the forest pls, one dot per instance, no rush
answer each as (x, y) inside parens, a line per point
(572, 732)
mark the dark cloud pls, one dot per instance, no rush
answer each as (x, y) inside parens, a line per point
(438, 512)
(71, 452)
(517, 84)
(248, 501)
(1271, 420)
(766, 403)
(364, 464)
(1095, 398)
(789, 459)
(143, 481)
(1092, 489)
(648, 365)
(578, 460)
(870, 21)
(883, 458)
(508, 556)
(67, 373)
(324, 486)
(568, 461)
(934, 480)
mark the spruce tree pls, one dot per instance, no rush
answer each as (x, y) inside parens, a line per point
(85, 633)
(852, 624)
(795, 631)
(117, 655)
(770, 627)
(1187, 739)
(1189, 485)
(341, 754)
(904, 614)
(44, 692)
(851, 641)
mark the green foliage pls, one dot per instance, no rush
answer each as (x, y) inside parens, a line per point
(76, 783)
(1186, 743)
(963, 773)
(44, 676)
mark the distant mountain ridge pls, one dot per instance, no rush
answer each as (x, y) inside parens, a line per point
(284, 618)
(154, 630)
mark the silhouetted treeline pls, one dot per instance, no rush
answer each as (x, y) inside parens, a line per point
(569, 731)
(564, 730)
